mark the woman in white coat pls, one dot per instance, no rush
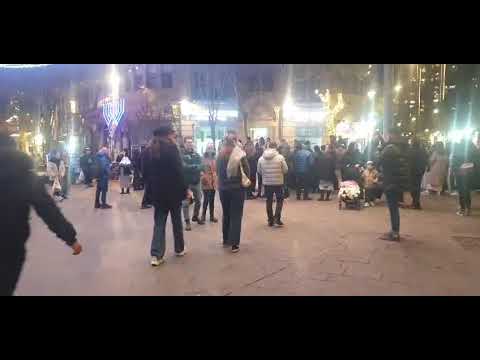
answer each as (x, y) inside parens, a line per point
(438, 169)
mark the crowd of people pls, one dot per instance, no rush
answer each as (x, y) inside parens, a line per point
(175, 177)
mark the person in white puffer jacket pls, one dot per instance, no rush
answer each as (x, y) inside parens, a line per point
(273, 168)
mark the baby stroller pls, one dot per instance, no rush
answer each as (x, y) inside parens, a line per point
(349, 195)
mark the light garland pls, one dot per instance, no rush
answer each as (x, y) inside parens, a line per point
(113, 112)
(23, 66)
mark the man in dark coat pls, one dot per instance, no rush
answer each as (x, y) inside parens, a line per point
(168, 188)
(145, 157)
(104, 166)
(86, 164)
(395, 169)
(22, 189)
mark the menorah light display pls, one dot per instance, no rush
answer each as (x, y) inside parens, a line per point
(113, 111)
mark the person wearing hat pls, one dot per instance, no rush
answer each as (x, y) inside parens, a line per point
(163, 172)
(23, 189)
(86, 164)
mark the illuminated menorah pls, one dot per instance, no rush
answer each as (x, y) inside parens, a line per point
(113, 111)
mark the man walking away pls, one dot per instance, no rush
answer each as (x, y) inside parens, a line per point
(418, 161)
(193, 168)
(103, 166)
(145, 157)
(165, 178)
(395, 168)
(301, 164)
(23, 189)
(273, 168)
(86, 163)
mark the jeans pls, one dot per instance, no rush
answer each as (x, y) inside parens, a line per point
(301, 183)
(232, 205)
(10, 270)
(278, 191)
(197, 198)
(416, 191)
(146, 195)
(103, 192)
(393, 197)
(260, 185)
(158, 241)
(371, 194)
(464, 192)
(208, 202)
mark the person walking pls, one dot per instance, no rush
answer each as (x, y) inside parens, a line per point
(232, 164)
(418, 161)
(168, 188)
(301, 164)
(326, 173)
(209, 186)
(193, 168)
(103, 166)
(463, 168)
(395, 169)
(125, 174)
(273, 168)
(145, 157)
(260, 148)
(86, 164)
(22, 190)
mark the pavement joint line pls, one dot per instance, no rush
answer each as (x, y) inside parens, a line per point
(265, 276)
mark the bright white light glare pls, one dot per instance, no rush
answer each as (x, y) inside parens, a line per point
(115, 82)
(316, 91)
(13, 118)
(72, 144)
(427, 130)
(435, 111)
(38, 139)
(15, 135)
(23, 66)
(73, 106)
(399, 124)
(398, 88)
(371, 94)
(201, 113)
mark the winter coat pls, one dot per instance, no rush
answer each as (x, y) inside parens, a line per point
(103, 163)
(165, 177)
(192, 167)
(325, 167)
(435, 177)
(209, 177)
(21, 190)
(302, 161)
(418, 161)
(395, 168)
(234, 182)
(272, 167)
(86, 162)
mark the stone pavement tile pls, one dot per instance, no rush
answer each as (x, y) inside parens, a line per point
(360, 270)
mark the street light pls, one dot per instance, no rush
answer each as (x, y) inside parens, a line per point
(398, 88)
(371, 94)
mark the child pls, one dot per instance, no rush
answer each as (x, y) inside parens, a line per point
(370, 182)
(209, 185)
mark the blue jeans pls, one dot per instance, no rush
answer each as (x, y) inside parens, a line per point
(232, 205)
(197, 198)
(393, 198)
(158, 241)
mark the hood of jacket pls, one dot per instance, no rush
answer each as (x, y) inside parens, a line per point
(269, 154)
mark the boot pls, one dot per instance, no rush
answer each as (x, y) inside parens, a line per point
(128, 190)
(203, 219)
(188, 226)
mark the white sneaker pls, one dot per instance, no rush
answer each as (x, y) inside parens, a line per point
(180, 254)
(156, 261)
(366, 205)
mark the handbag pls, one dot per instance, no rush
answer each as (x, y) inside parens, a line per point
(246, 183)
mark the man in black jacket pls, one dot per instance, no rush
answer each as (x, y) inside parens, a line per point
(395, 169)
(87, 162)
(167, 187)
(21, 189)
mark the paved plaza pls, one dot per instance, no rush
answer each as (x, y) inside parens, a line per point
(320, 251)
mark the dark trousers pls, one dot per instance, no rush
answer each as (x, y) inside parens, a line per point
(101, 191)
(146, 198)
(416, 191)
(160, 217)
(208, 202)
(301, 182)
(10, 270)
(393, 198)
(260, 185)
(252, 187)
(88, 176)
(232, 205)
(464, 192)
(278, 191)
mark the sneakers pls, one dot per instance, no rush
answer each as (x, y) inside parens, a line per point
(106, 206)
(155, 261)
(195, 218)
(188, 226)
(235, 248)
(97, 206)
(182, 253)
(270, 223)
(279, 222)
(461, 213)
(366, 205)
(390, 236)
(201, 221)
